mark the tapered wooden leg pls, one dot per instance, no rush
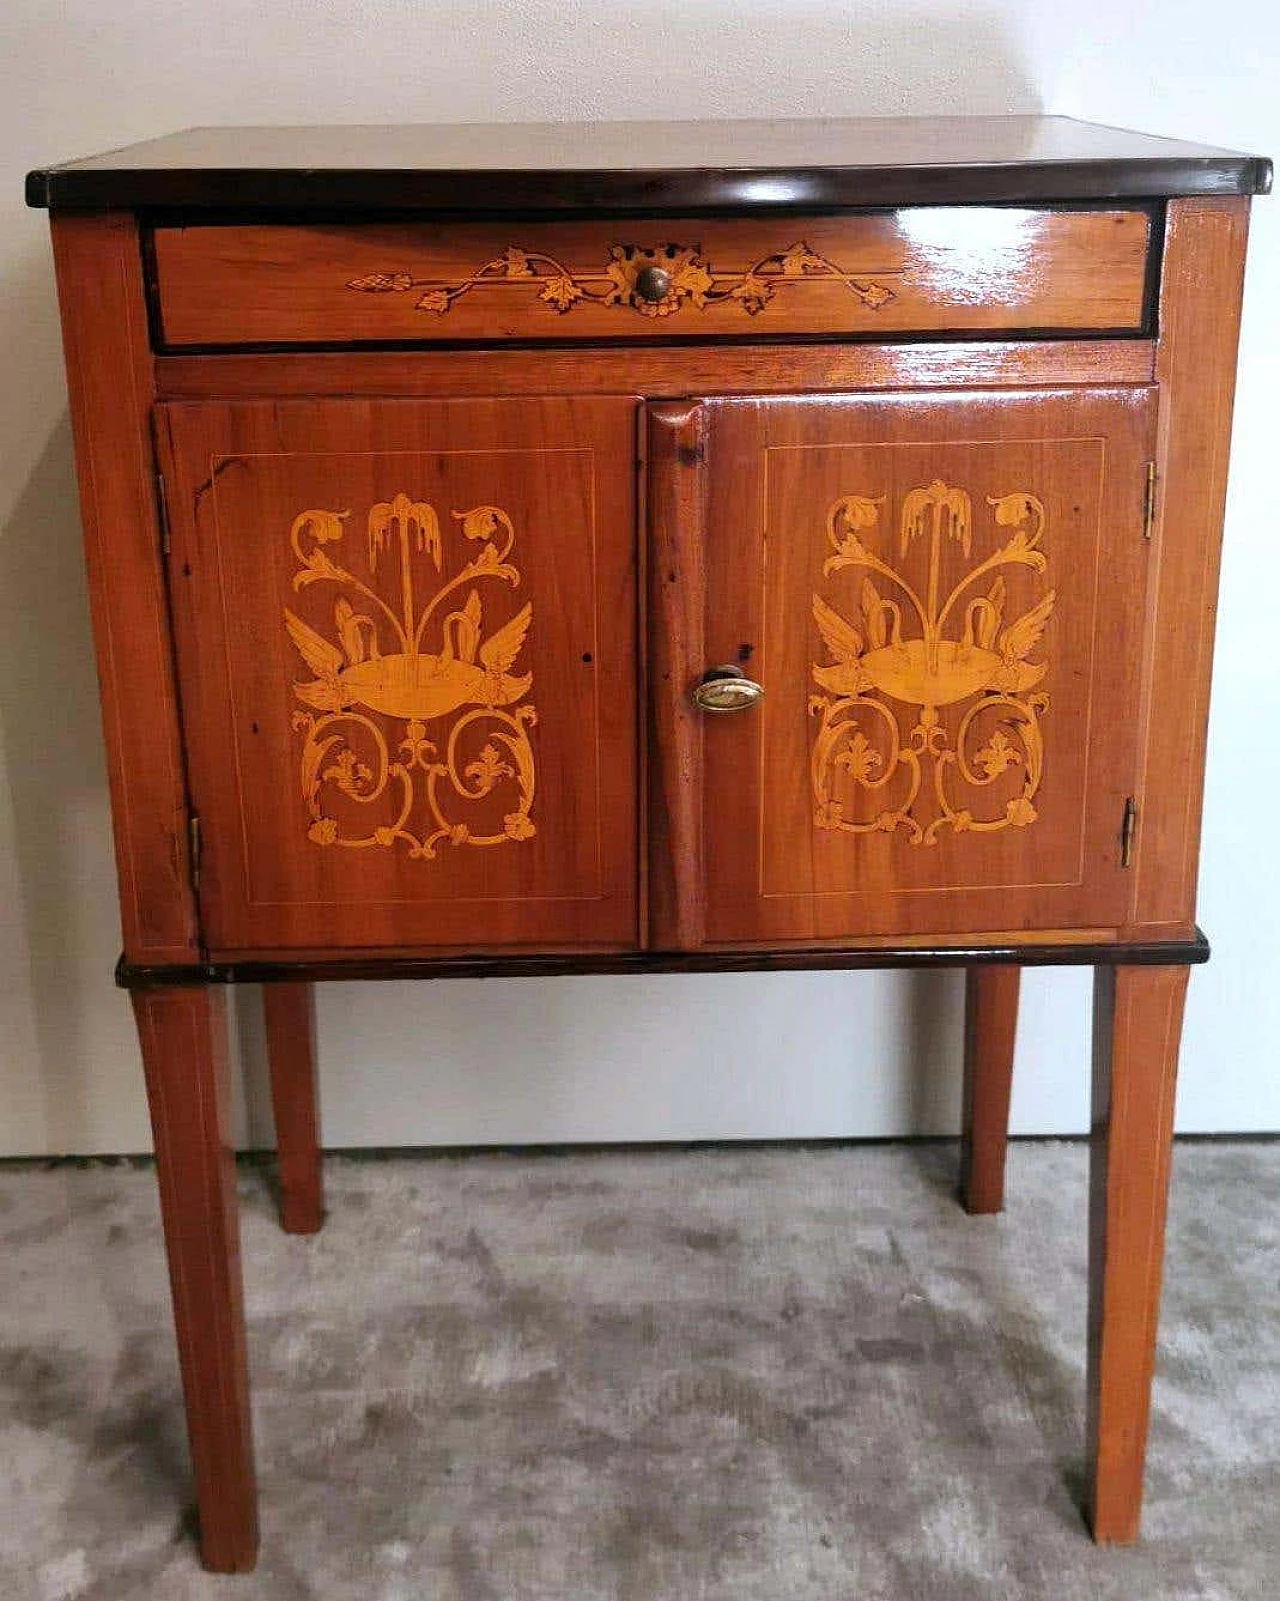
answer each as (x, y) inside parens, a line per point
(184, 1051)
(1136, 1028)
(990, 1024)
(290, 1015)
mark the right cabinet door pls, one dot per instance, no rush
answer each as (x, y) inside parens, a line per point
(944, 599)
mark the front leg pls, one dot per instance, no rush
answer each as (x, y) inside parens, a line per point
(1137, 1025)
(184, 1051)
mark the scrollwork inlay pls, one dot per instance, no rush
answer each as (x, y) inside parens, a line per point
(928, 651)
(691, 281)
(412, 708)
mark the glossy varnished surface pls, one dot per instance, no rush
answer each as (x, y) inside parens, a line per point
(944, 602)
(1137, 1027)
(658, 166)
(676, 595)
(405, 634)
(1203, 278)
(929, 269)
(660, 370)
(110, 385)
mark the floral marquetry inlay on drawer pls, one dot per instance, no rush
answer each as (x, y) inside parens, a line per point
(652, 281)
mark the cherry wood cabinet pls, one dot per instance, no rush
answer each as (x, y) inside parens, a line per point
(650, 548)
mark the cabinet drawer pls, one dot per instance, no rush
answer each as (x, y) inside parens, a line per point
(932, 270)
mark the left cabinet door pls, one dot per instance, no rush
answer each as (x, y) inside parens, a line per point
(406, 643)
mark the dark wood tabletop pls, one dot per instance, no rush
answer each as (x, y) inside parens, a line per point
(653, 167)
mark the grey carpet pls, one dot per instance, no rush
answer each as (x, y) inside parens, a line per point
(756, 1375)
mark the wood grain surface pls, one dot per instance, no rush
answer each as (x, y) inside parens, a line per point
(289, 1012)
(1196, 366)
(990, 1031)
(677, 579)
(789, 858)
(752, 369)
(184, 1052)
(406, 636)
(109, 380)
(930, 270)
(1137, 1028)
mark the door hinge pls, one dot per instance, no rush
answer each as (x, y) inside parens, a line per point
(1128, 828)
(195, 846)
(162, 512)
(1149, 502)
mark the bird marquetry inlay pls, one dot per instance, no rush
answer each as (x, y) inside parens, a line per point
(926, 651)
(654, 281)
(416, 703)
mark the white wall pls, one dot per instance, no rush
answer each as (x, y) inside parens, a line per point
(595, 1059)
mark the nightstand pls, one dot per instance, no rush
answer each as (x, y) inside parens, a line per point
(544, 550)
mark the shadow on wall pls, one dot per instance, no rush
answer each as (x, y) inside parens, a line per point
(50, 730)
(716, 61)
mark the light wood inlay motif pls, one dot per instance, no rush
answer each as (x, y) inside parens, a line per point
(925, 652)
(348, 752)
(690, 280)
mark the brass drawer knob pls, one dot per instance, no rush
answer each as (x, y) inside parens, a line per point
(726, 689)
(652, 284)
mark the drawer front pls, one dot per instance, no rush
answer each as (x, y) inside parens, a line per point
(944, 603)
(932, 271)
(406, 653)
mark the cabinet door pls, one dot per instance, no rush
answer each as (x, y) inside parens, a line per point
(943, 597)
(406, 650)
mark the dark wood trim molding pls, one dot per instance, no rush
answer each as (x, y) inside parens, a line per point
(1094, 953)
(647, 168)
(642, 193)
